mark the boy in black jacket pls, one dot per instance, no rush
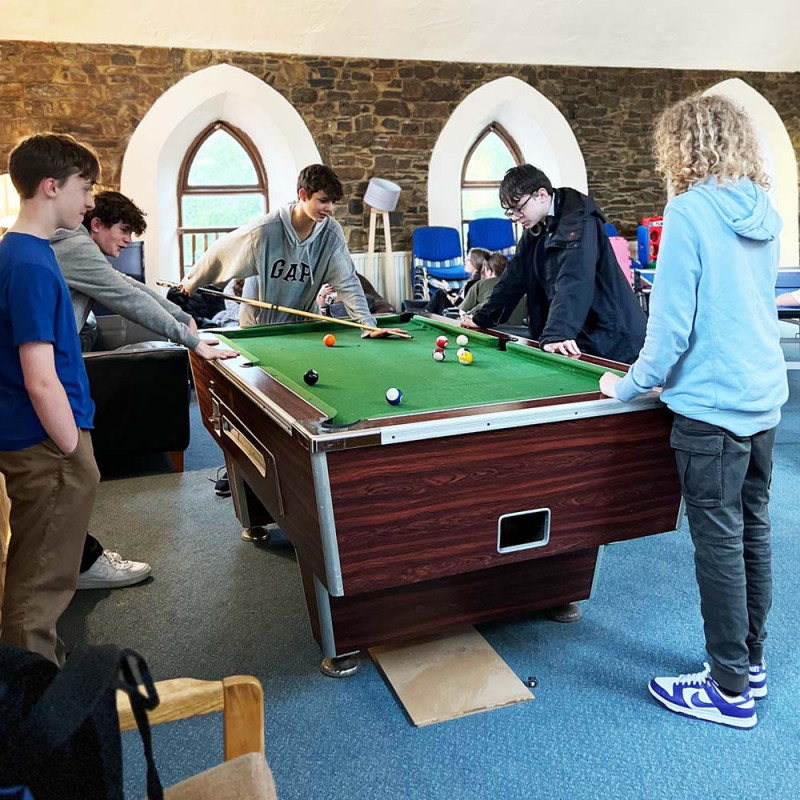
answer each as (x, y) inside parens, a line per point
(578, 298)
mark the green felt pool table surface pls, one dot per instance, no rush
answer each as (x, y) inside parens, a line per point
(355, 373)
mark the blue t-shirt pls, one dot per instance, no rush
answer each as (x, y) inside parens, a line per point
(35, 306)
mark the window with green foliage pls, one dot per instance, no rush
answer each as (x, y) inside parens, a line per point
(493, 153)
(222, 185)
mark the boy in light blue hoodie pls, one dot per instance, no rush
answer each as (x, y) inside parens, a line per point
(713, 345)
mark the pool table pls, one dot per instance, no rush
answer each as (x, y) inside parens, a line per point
(488, 492)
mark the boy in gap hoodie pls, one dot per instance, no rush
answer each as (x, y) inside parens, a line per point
(288, 256)
(713, 345)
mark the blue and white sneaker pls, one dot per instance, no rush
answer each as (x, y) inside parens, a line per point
(697, 695)
(758, 680)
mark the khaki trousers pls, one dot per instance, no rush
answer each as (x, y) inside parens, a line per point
(51, 501)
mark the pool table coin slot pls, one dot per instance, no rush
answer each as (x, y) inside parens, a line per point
(523, 530)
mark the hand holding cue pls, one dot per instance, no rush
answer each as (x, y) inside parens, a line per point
(286, 310)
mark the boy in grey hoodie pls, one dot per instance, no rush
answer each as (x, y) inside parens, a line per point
(288, 256)
(713, 344)
(81, 256)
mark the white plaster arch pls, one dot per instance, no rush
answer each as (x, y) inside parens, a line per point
(779, 159)
(159, 143)
(540, 130)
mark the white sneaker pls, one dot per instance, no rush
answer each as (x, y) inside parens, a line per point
(111, 571)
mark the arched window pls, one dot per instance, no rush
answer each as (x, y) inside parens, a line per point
(222, 185)
(493, 153)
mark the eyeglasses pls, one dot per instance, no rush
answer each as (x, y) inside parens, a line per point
(518, 210)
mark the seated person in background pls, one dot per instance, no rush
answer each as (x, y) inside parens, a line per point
(330, 305)
(481, 291)
(578, 297)
(292, 251)
(230, 314)
(81, 256)
(446, 297)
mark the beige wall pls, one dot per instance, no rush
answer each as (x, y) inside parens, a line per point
(683, 34)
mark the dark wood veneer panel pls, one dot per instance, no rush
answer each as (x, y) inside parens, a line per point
(423, 510)
(421, 609)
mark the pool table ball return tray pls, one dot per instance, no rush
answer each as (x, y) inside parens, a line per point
(487, 493)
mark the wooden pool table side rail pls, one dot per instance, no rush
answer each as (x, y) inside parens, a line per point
(301, 418)
(301, 516)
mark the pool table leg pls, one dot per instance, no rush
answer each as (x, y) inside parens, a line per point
(318, 605)
(251, 514)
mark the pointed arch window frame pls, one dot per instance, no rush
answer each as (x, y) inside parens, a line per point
(210, 235)
(508, 140)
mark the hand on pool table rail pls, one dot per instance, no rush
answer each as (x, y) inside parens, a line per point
(566, 348)
(210, 351)
(466, 322)
(608, 384)
(384, 332)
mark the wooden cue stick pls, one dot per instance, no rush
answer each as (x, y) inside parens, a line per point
(285, 309)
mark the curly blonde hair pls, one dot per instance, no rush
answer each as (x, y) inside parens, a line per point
(706, 136)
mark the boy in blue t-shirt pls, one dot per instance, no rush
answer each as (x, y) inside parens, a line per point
(45, 408)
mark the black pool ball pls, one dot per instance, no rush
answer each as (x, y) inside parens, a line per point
(311, 377)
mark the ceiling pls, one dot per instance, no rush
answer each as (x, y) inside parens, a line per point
(693, 34)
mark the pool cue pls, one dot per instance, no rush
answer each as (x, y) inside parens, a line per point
(276, 307)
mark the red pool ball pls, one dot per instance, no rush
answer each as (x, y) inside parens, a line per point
(441, 342)
(329, 340)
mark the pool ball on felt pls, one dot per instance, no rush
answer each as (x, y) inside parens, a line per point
(329, 340)
(438, 354)
(393, 396)
(311, 377)
(460, 352)
(465, 357)
(462, 340)
(441, 342)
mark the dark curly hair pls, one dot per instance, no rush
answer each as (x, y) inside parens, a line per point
(319, 178)
(113, 207)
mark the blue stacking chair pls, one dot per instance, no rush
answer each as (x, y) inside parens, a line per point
(436, 255)
(493, 234)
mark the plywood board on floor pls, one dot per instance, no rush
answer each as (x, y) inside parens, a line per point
(449, 676)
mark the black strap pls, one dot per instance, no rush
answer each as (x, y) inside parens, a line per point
(135, 673)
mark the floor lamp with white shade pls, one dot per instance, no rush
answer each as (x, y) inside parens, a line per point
(381, 196)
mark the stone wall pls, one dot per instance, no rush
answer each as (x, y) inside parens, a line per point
(367, 116)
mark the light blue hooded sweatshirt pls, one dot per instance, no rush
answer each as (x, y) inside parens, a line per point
(712, 340)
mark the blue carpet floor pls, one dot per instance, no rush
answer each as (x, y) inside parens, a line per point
(218, 606)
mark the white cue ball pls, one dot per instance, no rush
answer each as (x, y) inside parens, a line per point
(462, 340)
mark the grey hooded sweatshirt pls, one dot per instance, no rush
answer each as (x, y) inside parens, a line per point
(91, 278)
(282, 269)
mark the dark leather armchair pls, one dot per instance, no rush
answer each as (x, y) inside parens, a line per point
(140, 386)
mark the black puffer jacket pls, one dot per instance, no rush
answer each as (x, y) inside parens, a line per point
(574, 285)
